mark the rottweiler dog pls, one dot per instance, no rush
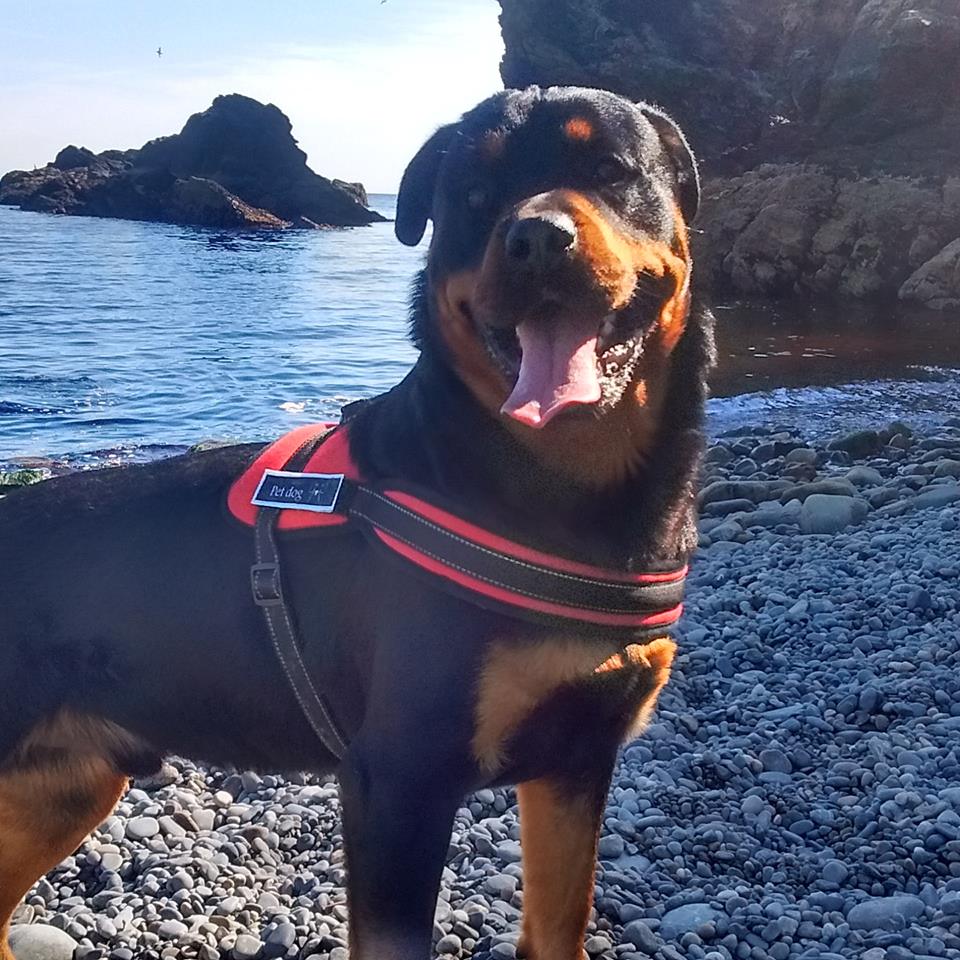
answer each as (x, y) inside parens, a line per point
(559, 393)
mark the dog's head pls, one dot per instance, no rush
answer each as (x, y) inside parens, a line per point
(559, 259)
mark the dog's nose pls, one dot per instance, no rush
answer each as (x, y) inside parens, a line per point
(540, 242)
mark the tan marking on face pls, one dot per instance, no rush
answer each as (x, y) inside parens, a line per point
(517, 679)
(558, 835)
(578, 129)
(52, 800)
(673, 315)
(617, 261)
(470, 357)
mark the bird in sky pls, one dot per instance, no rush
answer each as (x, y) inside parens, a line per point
(159, 51)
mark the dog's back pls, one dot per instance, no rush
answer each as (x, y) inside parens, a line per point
(60, 541)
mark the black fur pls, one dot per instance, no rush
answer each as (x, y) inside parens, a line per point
(125, 591)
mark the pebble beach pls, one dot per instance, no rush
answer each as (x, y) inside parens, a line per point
(796, 796)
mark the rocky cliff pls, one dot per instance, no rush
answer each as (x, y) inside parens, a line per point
(828, 130)
(234, 165)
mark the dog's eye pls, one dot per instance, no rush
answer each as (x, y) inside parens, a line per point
(610, 170)
(476, 198)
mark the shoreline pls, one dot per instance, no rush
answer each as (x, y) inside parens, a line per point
(797, 794)
(814, 413)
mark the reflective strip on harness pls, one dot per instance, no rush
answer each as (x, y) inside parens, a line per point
(481, 565)
(512, 574)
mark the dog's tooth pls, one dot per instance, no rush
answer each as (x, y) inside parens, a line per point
(608, 325)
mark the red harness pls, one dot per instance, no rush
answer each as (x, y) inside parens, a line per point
(326, 491)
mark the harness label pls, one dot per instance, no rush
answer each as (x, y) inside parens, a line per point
(287, 490)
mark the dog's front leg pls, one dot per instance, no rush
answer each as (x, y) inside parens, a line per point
(559, 826)
(397, 818)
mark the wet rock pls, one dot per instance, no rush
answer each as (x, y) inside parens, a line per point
(885, 913)
(835, 872)
(638, 934)
(611, 847)
(802, 455)
(247, 947)
(775, 761)
(202, 201)
(823, 513)
(142, 828)
(234, 165)
(860, 443)
(751, 490)
(936, 283)
(681, 920)
(835, 487)
(720, 508)
(947, 468)
(861, 476)
(38, 941)
(719, 455)
(501, 886)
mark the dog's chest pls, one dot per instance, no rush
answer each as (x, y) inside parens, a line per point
(562, 699)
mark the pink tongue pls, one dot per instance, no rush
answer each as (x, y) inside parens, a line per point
(558, 368)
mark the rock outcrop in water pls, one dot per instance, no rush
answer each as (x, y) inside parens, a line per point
(829, 132)
(234, 165)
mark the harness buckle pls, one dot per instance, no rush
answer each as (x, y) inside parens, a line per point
(265, 584)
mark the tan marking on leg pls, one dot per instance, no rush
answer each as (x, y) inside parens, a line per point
(558, 834)
(656, 656)
(516, 679)
(559, 829)
(58, 787)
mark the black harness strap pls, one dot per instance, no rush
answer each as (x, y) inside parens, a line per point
(518, 576)
(267, 586)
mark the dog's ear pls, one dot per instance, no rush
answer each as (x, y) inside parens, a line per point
(415, 200)
(681, 158)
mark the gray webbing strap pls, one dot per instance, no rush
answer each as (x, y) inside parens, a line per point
(266, 583)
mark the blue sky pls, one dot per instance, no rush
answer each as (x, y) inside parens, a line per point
(363, 82)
